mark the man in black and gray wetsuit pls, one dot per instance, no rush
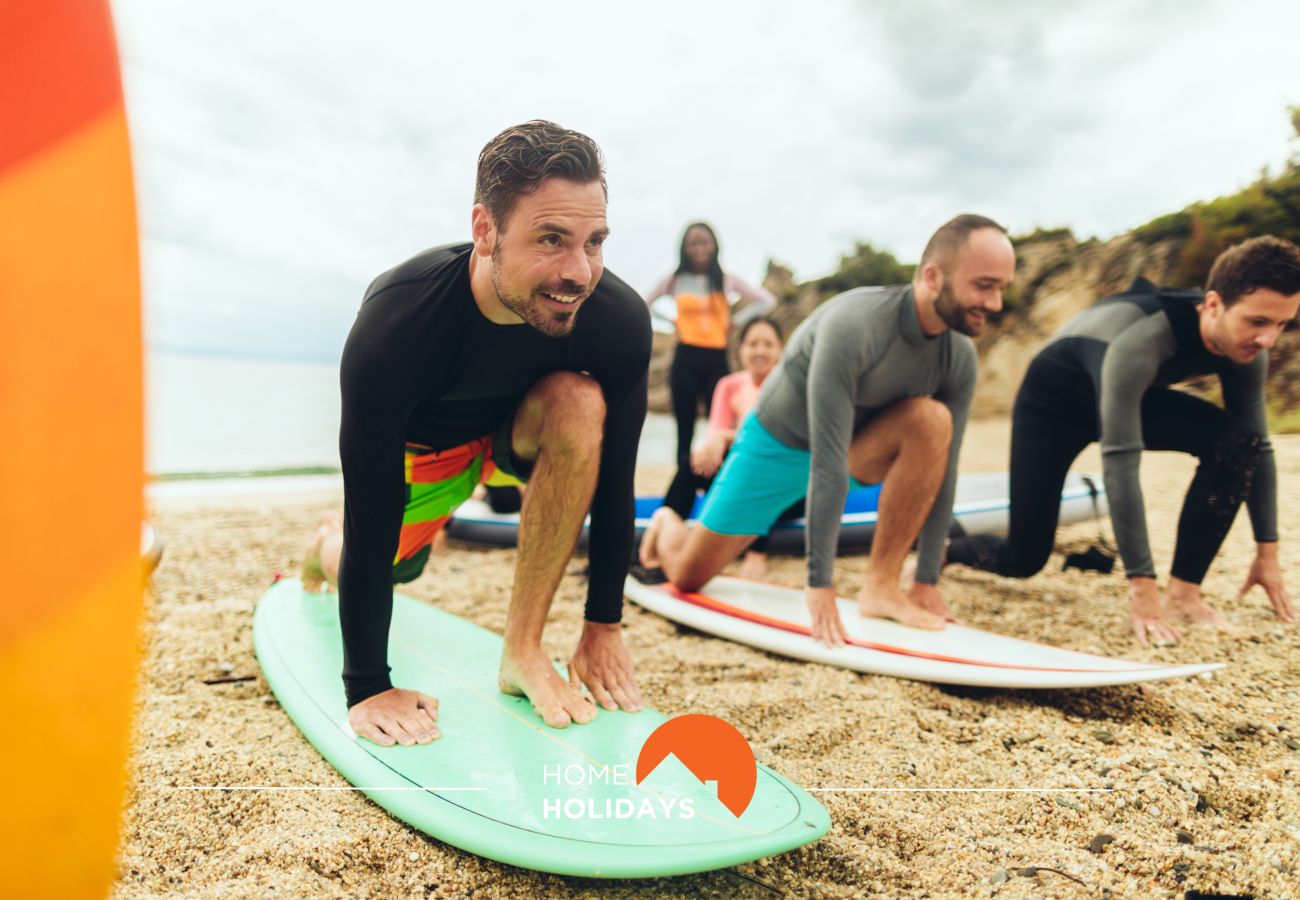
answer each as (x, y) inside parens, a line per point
(874, 386)
(516, 353)
(1105, 377)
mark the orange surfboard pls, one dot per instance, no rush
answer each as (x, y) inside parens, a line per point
(71, 460)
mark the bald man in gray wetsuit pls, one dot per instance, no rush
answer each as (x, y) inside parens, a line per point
(875, 386)
(1106, 377)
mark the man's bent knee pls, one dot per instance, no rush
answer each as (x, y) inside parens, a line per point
(572, 392)
(928, 417)
(565, 410)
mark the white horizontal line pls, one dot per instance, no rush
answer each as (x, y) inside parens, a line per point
(940, 790)
(308, 787)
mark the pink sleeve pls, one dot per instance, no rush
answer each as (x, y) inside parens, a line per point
(721, 416)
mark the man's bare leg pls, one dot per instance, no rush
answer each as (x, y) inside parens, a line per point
(689, 555)
(320, 563)
(906, 449)
(754, 566)
(558, 427)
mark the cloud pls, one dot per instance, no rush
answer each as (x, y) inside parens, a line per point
(288, 153)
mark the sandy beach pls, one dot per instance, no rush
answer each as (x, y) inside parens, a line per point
(1200, 774)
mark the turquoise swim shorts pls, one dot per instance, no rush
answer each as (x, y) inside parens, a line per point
(759, 480)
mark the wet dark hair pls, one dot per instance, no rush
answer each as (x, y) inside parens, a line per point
(1264, 262)
(944, 243)
(714, 269)
(762, 320)
(516, 162)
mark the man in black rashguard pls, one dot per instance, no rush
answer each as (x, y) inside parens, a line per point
(1105, 377)
(516, 353)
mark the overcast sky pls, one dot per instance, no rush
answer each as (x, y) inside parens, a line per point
(288, 152)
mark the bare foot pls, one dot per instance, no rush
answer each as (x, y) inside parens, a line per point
(649, 552)
(888, 602)
(909, 567)
(930, 598)
(315, 576)
(753, 566)
(528, 673)
(1191, 608)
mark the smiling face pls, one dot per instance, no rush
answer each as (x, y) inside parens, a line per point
(546, 258)
(970, 287)
(1251, 324)
(760, 350)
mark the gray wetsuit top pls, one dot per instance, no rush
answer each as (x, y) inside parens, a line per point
(857, 353)
(1149, 337)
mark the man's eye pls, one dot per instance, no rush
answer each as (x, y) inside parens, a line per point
(552, 240)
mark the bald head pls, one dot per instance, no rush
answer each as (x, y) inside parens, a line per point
(952, 235)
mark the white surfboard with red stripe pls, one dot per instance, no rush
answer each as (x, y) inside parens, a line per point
(776, 619)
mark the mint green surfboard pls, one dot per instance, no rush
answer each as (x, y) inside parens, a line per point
(501, 784)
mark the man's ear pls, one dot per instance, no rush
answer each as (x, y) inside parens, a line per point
(1213, 302)
(482, 229)
(932, 277)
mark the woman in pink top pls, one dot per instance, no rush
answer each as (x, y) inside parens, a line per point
(733, 398)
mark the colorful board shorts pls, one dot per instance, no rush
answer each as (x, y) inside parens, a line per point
(438, 481)
(760, 478)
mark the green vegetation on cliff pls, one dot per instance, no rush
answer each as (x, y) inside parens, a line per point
(1269, 206)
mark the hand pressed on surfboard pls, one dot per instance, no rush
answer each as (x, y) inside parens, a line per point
(396, 716)
(527, 672)
(602, 663)
(826, 625)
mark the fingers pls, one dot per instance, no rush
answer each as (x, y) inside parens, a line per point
(626, 695)
(827, 627)
(1249, 583)
(1281, 601)
(613, 690)
(601, 694)
(1148, 630)
(374, 734)
(422, 727)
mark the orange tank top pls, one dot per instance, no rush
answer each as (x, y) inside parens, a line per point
(703, 321)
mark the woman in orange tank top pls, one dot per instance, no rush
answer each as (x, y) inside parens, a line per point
(702, 291)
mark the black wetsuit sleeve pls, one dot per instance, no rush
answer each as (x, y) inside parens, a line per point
(1127, 370)
(621, 351)
(381, 381)
(1244, 399)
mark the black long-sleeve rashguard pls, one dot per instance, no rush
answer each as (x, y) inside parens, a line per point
(422, 364)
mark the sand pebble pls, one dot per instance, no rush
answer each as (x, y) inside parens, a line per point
(1098, 844)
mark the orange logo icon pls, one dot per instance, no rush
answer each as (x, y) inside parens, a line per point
(711, 749)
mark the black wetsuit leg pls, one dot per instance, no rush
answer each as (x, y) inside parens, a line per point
(1046, 436)
(1173, 420)
(681, 494)
(694, 375)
